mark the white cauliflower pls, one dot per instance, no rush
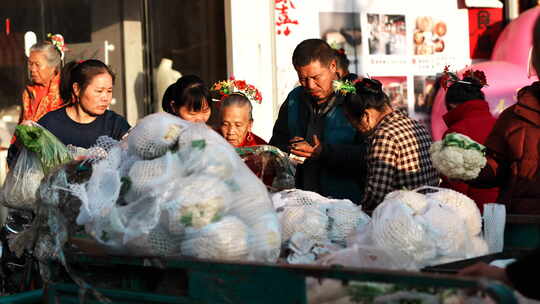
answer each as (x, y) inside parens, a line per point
(226, 239)
(447, 229)
(311, 220)
(479, 247)
(457, 162)
(154, 135)
(416, 201)
(395, 230)
(202, 213)
(265, 239)
(345, 217)
(463, 206)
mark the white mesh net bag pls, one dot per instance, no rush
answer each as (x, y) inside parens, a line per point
(198, 210)
(155, 134)
(184, 193)
(479, 247)
(461, 204)
(447, 230)
(494, 222)
(265, 238)
(158, 241)
(317, 217)
(145, 175)
(302, 211)
(310, 220)
(226, 239)
(394, 229)
(99, 194)
(344, 218)
(416, 201)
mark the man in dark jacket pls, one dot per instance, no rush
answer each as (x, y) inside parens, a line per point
(312, 125)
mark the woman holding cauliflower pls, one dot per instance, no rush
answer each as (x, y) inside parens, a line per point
(398, 149)
(468, 114)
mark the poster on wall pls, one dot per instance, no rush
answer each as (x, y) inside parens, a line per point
(438, 41)
(396, 89)
(342, 31)
(402, 43)
(385, 44)
(386, 34)
(425, 88)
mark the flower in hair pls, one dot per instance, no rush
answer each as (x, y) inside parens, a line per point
(344, 87)
(227, 87)
(58, 41)
(476, 74)
(448, 78)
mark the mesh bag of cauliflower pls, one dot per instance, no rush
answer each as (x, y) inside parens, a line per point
(175, 188)
(458, 156)
(319, 218)
(417, 229)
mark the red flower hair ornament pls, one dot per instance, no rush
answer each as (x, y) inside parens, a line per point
(227, 87)
(448, 78)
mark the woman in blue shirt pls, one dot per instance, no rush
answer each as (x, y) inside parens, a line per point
(87, 90)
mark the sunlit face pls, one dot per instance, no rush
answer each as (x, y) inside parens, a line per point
(40, 71)
(317, 79)
(97, 97)
(235, 124)
(195, 116)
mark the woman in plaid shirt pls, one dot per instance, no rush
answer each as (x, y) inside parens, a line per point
(398, 146)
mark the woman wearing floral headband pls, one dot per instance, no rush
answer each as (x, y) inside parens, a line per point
(236, 112)
(398, 146)
(468, 114)
(42, 94)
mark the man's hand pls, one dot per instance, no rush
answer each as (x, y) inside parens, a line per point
(487, 271)
(300, 147)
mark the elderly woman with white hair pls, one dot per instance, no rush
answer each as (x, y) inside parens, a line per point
(42, 94)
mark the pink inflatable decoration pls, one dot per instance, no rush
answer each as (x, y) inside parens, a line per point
(506, 72)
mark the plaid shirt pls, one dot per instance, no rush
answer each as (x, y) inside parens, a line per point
(398, 158)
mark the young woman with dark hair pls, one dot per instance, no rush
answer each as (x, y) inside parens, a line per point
(468, 114)
(86, 88)
(398, 146)
(189, 99)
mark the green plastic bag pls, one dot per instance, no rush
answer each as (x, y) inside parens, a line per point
(51, 152)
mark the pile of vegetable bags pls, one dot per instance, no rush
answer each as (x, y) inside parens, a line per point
(411, 230)
(313, 225)
(177, 188)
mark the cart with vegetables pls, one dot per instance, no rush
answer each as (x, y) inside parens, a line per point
(173, 215)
